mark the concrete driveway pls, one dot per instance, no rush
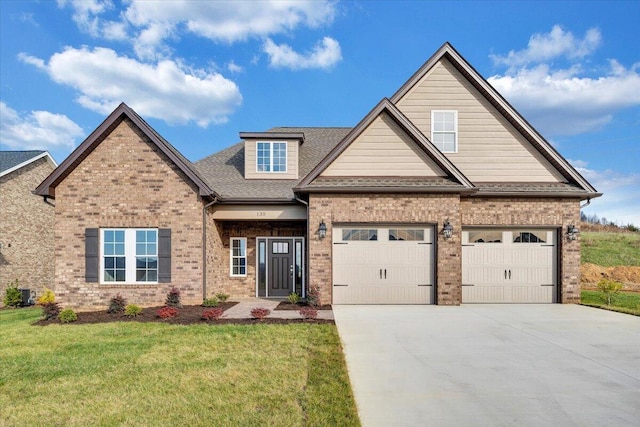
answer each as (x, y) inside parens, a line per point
(492, 365)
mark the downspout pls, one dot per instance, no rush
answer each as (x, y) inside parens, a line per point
(306, 252)
(204, 247)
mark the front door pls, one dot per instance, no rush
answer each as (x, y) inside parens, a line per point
(281, 267)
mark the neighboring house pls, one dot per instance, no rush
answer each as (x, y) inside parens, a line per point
(362, 213)
(26, 224)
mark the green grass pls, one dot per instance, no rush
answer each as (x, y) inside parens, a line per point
(610, 249)
(133, 374)
(624, 302)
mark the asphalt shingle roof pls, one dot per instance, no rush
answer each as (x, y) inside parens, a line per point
(10, 159)
(224, 171)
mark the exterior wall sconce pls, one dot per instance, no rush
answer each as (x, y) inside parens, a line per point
(447, 229)
(572, 232)
(322, 230)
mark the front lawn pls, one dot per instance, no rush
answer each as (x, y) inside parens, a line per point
(625, 302)
(136, 374)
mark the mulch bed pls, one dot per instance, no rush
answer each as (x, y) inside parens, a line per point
(286, 305)
(187, 315)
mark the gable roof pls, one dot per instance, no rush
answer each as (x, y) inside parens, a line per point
(525, 128)
(225, 169)
(456, 180)
(47, 187)
(13, 160)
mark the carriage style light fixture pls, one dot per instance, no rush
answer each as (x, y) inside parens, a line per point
(572, 232)
(447, 229)
(322, 229)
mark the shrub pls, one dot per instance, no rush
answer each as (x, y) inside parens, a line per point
(132, 310)
(47, 297)
(609, 289)
(67, 316)
(308, 312)
(313, 296)
(167, 312)
(173, 298)
(293, 298)
(213, 313)
(210, 302)
(13, 297)
(50, 310)
(117, 304)
(260, 312)
(222, 296)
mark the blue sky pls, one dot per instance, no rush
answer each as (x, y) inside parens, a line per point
(200, 72)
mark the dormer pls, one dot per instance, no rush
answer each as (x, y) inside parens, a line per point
(271, 155)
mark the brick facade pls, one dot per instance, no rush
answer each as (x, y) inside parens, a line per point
(552, 213)
(218, 252)
(26, 229)
(126, 181)
(387, 209)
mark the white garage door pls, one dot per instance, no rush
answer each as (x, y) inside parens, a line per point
(509, 266)
(382, 265)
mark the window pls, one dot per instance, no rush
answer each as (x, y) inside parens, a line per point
(271, 157)
(529, 237)
(238, 256)
(485, 236)
(444, 130)
(409, 234)
(355, 234)
(129, 255)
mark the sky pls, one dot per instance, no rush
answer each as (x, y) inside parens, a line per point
(200, 72)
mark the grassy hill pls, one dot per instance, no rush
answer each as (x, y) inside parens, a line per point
(610, 249)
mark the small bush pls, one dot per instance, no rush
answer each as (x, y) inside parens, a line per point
(67, 316)
(222, 296)
(609, 289)
(167, 312)
(173, 298)
(47, 297)
(313, 296)
(308, 312)
(13, 297)
(132, 310)
(213, 313)
(293, 298)
(50, 310)
(260, 313)
(117, 304)
(210, 302)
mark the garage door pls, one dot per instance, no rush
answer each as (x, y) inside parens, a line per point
(382, 265)
(509, 266)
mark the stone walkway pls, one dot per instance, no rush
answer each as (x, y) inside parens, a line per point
(242, 310)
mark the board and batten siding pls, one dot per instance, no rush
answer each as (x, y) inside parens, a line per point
(383, 149)
(490, 149)
(250, 170)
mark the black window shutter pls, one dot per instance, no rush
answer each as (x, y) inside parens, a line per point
(91, 254)
(164, 255)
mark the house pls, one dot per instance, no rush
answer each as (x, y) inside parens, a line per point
(441, 194)
(26, 224)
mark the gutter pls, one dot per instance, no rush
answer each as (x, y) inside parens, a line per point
(306, 252)
(204, 246)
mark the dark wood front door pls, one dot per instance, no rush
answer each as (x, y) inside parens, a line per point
(280, 267)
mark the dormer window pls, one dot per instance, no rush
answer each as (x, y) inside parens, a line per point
(271, 157)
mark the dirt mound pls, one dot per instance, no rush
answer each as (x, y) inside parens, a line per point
(592, 274)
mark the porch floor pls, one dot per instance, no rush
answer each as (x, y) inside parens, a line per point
(242, 310)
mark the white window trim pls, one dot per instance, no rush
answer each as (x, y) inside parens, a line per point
(455, 131)
(232, 257)
(129, 255)
(286, 156)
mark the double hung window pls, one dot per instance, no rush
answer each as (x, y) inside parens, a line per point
(444, 130)
(271, 157)
(238, 256)
(129, 255)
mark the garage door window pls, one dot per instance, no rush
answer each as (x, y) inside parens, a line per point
(485, 236)
(529, 237)
(359, 234)
(406, 234)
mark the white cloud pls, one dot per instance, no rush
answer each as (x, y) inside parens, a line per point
(86, 14)
(166, 90)
(556, 43)
(565, 101)
(234, 68)
(37, 130)
(325, 54)
(620, 202)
